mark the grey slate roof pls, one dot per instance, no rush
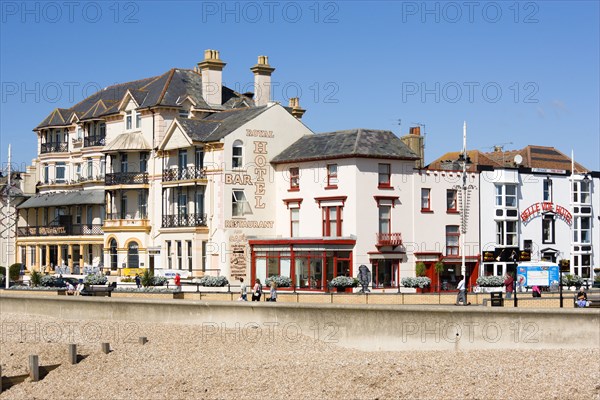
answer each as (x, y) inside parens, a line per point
(360, 142)
(168, 89)
(64, 199)
(218, 125)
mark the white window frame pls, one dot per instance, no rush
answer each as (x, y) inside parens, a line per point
(237, 154)
(294, 221)
(239, 203)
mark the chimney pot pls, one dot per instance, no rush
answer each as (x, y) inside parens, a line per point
(212, 77)
(262, 81)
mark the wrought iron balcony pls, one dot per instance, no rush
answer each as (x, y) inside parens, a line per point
(183, 220)
(94, 141)
(180, 174)
(58, 147)
(60, 230)
(126, 178)
(389, 239)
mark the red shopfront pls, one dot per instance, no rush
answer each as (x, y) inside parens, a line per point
(310, 263)
(448, 278)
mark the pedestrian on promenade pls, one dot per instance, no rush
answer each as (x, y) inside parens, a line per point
(509, 282)
(243, 291)
(273, 291)
(79, 288)
(582, 298)
(257, 290)
(178, 282)
(138, 281)
(536, 292)
(462, 294)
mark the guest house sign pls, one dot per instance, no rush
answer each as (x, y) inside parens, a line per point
(546, 207)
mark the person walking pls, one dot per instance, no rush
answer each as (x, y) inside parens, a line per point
(178, 282)
(138, 281)
(509, 282)
(462, 294)
(273, 291)
(257, 290)
(243, 291)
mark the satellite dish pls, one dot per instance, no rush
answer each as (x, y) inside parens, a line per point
(518, 159)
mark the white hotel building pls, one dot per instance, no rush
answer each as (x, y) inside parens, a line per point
(178, 172)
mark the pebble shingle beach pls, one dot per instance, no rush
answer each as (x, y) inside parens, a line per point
(192, 362)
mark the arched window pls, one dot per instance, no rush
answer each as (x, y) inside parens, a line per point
(133, 257)
(113, 255)
(237, 159)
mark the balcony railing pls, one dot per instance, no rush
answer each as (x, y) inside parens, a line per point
(126, 178)
(180, 174)
(183, 220)
(94, 141)
(58, 147)
(137, 216)
(60, 230)
(117, 221)
(389, 239)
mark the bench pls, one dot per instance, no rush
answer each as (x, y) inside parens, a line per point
(97, 290)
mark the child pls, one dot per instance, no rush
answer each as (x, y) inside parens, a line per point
(536, 291)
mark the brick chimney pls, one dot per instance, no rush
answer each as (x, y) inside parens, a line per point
(262, 81)
(297, 111)
(211, 69)
(416, 143)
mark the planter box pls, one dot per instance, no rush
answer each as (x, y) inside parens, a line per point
(147, 295)
(38, 292)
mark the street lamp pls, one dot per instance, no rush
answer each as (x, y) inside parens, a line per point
(6, 191)
(463, 160)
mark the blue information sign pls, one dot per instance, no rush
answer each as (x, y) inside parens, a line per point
(537, 275)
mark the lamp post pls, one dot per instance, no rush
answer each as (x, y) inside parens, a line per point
(463, 160)
(8, 217)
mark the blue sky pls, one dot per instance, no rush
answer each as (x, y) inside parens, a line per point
(520, 72)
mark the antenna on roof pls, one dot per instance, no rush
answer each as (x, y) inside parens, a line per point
(497, 146)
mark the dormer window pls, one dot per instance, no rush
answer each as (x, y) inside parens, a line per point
(183, 113)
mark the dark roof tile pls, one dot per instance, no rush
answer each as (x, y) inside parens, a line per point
(349, 143)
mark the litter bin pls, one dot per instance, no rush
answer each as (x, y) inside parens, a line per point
(497, 300)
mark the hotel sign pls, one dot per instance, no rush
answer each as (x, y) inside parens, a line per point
(536, 209)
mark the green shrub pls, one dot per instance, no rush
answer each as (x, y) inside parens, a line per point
(36, 278)
(490, 281)
(49, 281)
(96, 279)
(416, 282)
(147, 278)
(344, 281)
(14, 271)
(280, 281)
(213, 281)
(420, 269)
(159, 280)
